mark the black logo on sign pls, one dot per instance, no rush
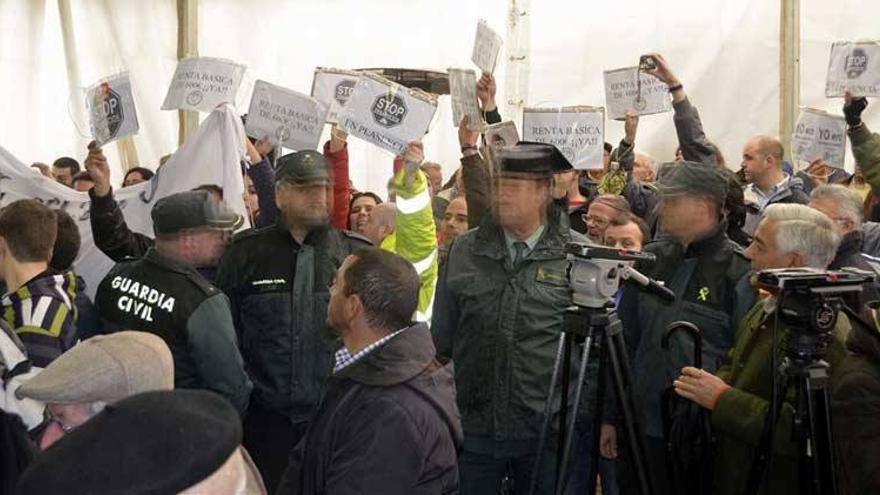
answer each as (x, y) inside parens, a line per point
(856, 63)
(112, 110)
(343, 91)
(194, 98)
(388, 110)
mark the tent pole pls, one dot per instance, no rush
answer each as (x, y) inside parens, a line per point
(789, 69)
(517, 47)
(187, 46)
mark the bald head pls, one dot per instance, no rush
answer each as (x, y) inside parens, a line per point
(380, 223)
(762, 161)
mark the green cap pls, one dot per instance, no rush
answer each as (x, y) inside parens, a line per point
(303, 167)
(692, 179)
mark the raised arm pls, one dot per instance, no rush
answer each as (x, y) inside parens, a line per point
(865, 144)
(475, 175)
(336, 151)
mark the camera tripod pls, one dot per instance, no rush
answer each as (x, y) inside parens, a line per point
(602, 328)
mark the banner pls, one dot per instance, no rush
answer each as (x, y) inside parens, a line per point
(333, 87)
(287, 117)
(211, 156)
(854, 67)
(632, 89)
(578, 132)
(111, 110)
(819, 135)
(463, 93)
(200, 84)
(487, 46)
(387, 114)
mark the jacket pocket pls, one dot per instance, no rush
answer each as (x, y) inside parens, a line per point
(716, 332)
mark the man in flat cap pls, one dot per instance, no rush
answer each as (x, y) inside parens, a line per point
(708, 274)
(278, 279)
(501, 298)
(177, 441)
(97, 372)
(162, 293)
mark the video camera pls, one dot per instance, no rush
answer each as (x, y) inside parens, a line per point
(595, 273)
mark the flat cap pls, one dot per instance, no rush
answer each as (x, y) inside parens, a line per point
(692, 179)
(532, 159)
(152, 443)
(303, 167)
(104, 368)
(192, 210)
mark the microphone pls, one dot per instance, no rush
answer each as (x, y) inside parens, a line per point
(648, 284)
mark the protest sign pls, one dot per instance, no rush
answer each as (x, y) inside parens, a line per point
(499, 136)
(463, 93)
(578, 132)
(386, 114)
(200, 84)
(291, 119)
(854, 67)
(333, 87)
(487, 46)
(111, 110)
(819, 135)
(211, 156)
(632, 89)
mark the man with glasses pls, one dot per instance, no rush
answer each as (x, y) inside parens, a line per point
(602, 210)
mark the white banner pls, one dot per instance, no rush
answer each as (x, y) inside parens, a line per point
(200, 84)
(286, 116)
(487, 46)
(631, 89)
(387, 114)
(333, 87)
(211, 156)
(819, 135)
(854, 67)
(111, 110)
(578, 132)
(463, 96)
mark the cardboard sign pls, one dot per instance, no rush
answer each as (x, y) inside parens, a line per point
(578, 132)
(497, 137)
(289, 118)
(333, 87)
(854, 67)
(819, 135)
(387, 114)
(487, 46)
(463, 92)
(200, 84)
(632, 89)
(111, 110)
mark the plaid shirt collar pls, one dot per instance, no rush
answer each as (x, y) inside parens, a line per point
(345, 359)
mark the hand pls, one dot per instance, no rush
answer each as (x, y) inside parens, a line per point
(630, 126)
(264, 146)
(486, 92)
(663, 72)
(700, 386)
(608, 442)
(467, 137)
(99, 170)
(337, 138)
(43, 168)
(253, 151)
(412, 159)
(853, 108)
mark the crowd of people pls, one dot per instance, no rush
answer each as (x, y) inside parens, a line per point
(348, 343)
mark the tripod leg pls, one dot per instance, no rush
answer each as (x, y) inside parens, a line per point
(599, 411)
(820, 447)
(622, 380)
(548, 411)
(563, 404)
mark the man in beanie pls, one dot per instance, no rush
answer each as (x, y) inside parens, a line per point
(278, 280)
(180, 441)
(501, 299)
(163, 294)
(708, 274)
(97, 372)
(389, 405)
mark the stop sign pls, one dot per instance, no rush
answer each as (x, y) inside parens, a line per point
(389, 110)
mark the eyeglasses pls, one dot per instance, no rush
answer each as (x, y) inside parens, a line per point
(599, 222)
(66, 428)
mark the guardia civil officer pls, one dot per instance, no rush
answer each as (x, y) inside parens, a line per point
(278, 279)
(162, 293)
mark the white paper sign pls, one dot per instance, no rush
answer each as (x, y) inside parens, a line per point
(854, 67)
(819, 135)
(387, 114)
(578, 132)
(499, 136)
(111, 110)
(487, 46)
(287, 117)
(333, 87)
(646, 95)
(200, 84)
(463, 93)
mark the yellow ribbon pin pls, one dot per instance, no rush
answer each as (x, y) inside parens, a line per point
(703, 295)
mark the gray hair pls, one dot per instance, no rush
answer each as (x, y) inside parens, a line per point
(803, 230)
(648, 161)
(849, 203)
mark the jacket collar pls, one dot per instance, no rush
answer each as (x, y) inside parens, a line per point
(709, 243)
(314, 237)
(397, 361)
(851, 244)
(490, 241)
(153, 256)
